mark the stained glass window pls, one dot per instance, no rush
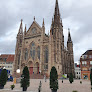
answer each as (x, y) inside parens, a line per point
(32, 51)
(38, 52)
(19, 57)
(46, 55)
(26, 54)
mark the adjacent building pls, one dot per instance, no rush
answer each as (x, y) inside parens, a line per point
(6, 61)
(40, 51)
(77, 71)
(86, 64)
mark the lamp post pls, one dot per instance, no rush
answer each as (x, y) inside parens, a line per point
(15, 79)
(18, 72)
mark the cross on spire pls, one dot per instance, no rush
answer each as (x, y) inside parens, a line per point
(34, 18)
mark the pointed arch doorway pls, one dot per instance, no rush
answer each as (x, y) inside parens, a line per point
(30, 65)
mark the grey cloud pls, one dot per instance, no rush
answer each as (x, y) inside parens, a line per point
(75, 14)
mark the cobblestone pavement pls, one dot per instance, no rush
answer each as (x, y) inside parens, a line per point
(63, 87)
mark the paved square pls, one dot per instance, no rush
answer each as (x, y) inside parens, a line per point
(63, 87)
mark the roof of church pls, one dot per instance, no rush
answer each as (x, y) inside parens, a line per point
(36, 24)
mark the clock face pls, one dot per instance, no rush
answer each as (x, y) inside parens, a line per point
(33, 30)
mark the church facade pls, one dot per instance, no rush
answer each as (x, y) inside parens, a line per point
(40, 51)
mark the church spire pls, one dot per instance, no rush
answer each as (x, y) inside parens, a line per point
(57, 14)
(69, 35)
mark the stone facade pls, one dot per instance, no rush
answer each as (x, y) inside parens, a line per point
(40, 52)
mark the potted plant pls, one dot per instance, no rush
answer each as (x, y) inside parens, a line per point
(12, 87)
(3, 78)
(53, 79)
(62, 80)
(71, 78)
(25, 80)
(80, 82)
(75, 91)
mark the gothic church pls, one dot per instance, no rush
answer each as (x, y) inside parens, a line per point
(40, 51)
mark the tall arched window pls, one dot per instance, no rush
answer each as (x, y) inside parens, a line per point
(32, 51)
(46, 55)
(19, 57)
(26, 54)
(38, 52)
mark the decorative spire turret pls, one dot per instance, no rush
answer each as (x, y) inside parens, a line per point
(43, 28)
(25, 30)
(69, 36)
(52, 20)
(21, 28)
(43, 22)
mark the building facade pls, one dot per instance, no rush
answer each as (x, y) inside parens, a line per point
(86, 64)
(40, 51)
(77, 71)
(6, 61)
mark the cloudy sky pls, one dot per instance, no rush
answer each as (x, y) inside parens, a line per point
(75, 14)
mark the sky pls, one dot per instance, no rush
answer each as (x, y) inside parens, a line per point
(75, 14)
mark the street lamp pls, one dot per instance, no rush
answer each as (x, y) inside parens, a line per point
(18, 71)
(16, 78)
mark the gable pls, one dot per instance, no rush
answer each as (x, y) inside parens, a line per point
(34, 29)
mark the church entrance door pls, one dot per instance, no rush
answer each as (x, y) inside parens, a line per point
(31, 70)
(30, 64)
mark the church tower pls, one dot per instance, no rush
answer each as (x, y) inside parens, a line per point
(56, 40)
(70, 52)
(18, 50)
